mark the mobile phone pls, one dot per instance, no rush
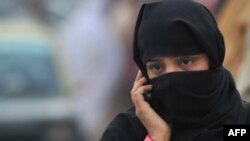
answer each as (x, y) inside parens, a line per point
(148, 95)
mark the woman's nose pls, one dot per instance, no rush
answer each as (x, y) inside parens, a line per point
(172, 68)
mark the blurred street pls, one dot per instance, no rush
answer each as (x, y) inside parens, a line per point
(66, 66)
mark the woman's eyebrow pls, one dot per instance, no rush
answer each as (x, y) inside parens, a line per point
(154, 60)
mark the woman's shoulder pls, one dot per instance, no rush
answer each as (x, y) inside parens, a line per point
(125, 126)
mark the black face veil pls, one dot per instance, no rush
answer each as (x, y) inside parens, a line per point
(197, 104)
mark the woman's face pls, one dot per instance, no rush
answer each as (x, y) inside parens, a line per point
(161, 65)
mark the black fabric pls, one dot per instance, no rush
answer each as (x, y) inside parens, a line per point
(196, 103)
(174, 27)
(127, 127)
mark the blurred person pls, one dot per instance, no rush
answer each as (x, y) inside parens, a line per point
(243, 81)
(213, 6)
(124, 16)
(182, 91)
(96, 57)
(236, 33)
(233, 30)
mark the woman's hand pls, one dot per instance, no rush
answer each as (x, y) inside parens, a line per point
(157, 128)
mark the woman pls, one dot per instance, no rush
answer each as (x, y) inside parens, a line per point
(179, 51)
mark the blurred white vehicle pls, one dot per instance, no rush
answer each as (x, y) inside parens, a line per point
(34, 103)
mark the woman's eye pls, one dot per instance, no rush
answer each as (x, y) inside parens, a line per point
(186, 61)
(155, 68)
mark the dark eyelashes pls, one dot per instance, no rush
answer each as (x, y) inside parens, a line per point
(178, 60)
(154, 66)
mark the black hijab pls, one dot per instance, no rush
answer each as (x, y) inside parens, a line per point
(196, 103)
(175, 27)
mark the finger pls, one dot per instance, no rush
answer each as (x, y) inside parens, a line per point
(138, 76)
(137, 96)
(141, 105)
(137, 93)
(139, 83)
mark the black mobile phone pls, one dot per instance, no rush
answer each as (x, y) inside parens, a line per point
(147, 95)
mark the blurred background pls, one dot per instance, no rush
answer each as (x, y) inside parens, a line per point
(66, 66)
